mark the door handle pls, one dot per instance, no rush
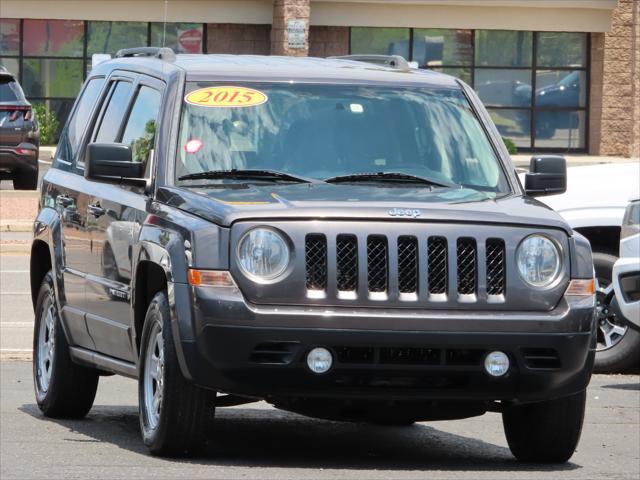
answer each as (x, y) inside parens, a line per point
(64, 201)
(96, 210)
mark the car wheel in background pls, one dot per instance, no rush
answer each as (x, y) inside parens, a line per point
(618, 346)
(25, 180)
(63, 388)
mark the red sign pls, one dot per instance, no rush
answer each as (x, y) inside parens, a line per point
(190, 41)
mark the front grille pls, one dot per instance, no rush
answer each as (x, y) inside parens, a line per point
(408, 264)
(405, 268)
(377, 264)
(347, 263)
(316, 262)
(437, 264)
(467, 266)
(495, 266)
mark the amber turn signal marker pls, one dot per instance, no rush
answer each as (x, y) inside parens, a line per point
(210, 278)
(581, 287)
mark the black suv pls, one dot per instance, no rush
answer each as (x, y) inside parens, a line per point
(19, 135)
(343, 239)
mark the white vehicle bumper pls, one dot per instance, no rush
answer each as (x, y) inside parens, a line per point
(628, 269)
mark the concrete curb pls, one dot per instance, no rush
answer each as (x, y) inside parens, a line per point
(16, 225)
(15, 356)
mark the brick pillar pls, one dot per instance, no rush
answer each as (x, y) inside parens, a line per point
(283, 11)
(615, 72)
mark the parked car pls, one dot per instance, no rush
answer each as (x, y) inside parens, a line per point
(626, 270)
(594, 205)
(343, 239)
(19, 135)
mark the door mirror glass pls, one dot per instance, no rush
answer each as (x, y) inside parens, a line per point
(112, 162)
(547, 176)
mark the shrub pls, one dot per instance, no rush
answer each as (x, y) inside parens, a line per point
(48, 124)
(511, 147)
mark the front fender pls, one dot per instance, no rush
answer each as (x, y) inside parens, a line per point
(47, 229)
(166, 249)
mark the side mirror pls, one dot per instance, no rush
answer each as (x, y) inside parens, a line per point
(112, 162)
(547, 176)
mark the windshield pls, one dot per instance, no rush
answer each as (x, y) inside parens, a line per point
(325, 131)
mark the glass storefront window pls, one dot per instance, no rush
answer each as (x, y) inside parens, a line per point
(53, 38)
(463, 74)
(561, 49)
(561, 88)
(560, 130)
(503, 88)
(9, 36)
(503, 48)
(513, 124)
(109, 37)
(45, 77)
(181, 37)
(383, 41)
(11, 64)
(434, 47)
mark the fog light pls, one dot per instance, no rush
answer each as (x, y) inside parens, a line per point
(496, 363)
(319, 360)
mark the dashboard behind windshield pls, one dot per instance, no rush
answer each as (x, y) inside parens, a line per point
(323, 131)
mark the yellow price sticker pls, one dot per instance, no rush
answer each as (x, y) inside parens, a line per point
(226, 97)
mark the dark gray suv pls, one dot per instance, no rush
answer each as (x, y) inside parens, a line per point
(19, 135)
(344, 238)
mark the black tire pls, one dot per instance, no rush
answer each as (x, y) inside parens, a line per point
(545, 432)
(25, 180)
(624, 354)
(71, 388)
(186, 411)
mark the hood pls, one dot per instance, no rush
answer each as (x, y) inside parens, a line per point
(226, 204)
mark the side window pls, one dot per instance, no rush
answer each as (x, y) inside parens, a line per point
(70, 139)
(113, 115)
(140, 129)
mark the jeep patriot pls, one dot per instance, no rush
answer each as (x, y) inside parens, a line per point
(344, 238)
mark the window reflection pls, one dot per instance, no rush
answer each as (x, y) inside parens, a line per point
(433, 47)
(181, 37)
(109, 37)
(53, 38)
(382, 41)
(9, 36)
(46, 77)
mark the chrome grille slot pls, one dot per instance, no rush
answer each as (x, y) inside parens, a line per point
(494, 259)
(408, 264)
(467, 266)
(437, 265)
(316, 262)
(377, 264)
(347, 263)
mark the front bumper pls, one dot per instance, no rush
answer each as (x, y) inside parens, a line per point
(235, 347)
(626, 283)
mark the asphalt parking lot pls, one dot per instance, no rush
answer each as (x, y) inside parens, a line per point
(258, 441)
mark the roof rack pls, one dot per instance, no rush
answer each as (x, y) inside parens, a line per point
(163, 53)
(390, 61)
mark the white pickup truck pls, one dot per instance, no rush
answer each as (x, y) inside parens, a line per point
(594, 205)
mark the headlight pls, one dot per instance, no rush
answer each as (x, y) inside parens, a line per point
(538, 260)
(263, 254)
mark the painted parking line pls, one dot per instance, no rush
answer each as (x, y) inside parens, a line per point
(15, 293)
(17, 324)
(44, 162)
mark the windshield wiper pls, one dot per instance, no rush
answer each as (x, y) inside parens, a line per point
(268, 175)
(391, 176)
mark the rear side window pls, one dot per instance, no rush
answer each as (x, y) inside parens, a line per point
(10, 91)
(112, 119)
(140, 129)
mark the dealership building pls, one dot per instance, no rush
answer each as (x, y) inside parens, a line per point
(556, 75)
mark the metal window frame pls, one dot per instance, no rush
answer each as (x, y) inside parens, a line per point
(533, 68)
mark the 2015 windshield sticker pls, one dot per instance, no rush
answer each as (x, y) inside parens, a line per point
(226, 97)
